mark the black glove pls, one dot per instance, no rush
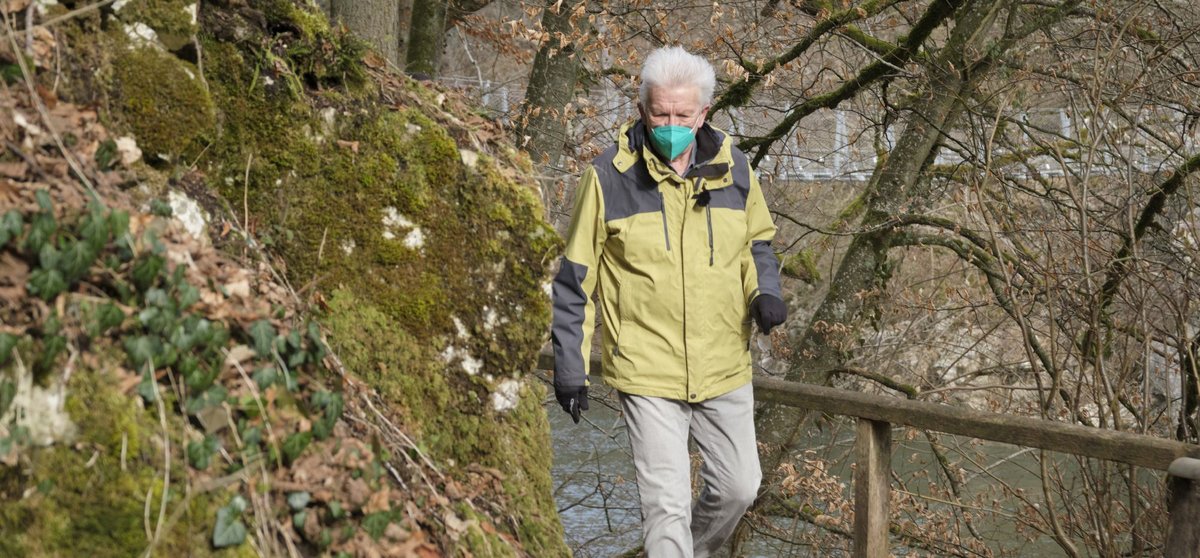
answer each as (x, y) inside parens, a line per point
(768, 311)
(572, 399)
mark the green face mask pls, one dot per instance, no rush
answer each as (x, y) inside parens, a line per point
(671, 141)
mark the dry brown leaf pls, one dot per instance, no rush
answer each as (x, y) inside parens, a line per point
(14, 169)
(13, 6)
(378, 501)
(358, 492)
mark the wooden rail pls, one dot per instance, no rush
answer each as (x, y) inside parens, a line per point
(877, 413)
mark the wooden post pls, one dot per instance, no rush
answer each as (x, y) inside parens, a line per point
(1183, 507)
(872, 489)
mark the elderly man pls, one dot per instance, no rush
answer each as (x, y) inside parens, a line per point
(672, 226)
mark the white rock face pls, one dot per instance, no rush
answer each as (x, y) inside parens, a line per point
(490, 318)
(394, 221)
(415, 239)
(189, 213)
(40, 410)
(193, 11)
(43, 5)
(141, 35)
(469, 158)
(129, 151)
(470, 364)
(506, 396)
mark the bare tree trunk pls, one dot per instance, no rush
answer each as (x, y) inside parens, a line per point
(855, 288)
(863, 271)
(542, 126)
(426, 36)
(375, 21)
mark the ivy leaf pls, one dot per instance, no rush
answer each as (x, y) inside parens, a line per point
(376, 523)
(295, 445)
(251, 437)
(263, 335)
(49, 256)
(145, 272)
(331, 405)
(8, 392)
(160, 208)
(200, 452)
(315, 343)
(94, 229)
(211, 397)
(46, 283)
(298, 500)
(76, 259)
(141, 350)
(148, 388)
(41, 230)
(230, 531)
(118, 223)
(7, 342)
(43, 200)
(188, 295)
(106, 154)
(266, 377)
(10, 226)
(108, 317)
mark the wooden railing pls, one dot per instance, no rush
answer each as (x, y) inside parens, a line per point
(877, 414)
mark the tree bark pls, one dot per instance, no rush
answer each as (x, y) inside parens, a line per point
(542, 126)
(426, 36)
(375, 21)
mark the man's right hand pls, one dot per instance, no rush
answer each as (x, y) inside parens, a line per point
(573, 400)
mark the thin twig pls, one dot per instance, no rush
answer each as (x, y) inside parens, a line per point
(166, 491)
(258, 402)
(246, 195)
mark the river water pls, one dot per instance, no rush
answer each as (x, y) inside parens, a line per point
(597, 497)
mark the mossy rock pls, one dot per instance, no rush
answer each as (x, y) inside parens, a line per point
(433, 261)
(162, 100)
(453, 417)
(173, 21)
(89, 499)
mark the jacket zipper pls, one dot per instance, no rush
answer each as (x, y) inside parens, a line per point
(666, 234)
(708, 213)
(708, 216)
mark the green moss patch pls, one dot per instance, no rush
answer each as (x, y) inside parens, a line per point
(162, 100)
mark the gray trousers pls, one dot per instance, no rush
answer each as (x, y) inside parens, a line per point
(723, 428)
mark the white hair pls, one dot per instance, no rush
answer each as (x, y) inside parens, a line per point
(673, 67)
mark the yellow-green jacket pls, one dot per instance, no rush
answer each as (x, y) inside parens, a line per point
(677, 261)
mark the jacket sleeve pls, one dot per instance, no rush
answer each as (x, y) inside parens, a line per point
(574, 312)
(760, 267)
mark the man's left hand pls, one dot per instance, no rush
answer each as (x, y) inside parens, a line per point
(768, 311)
(572, 399)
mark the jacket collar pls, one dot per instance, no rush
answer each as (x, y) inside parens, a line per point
(713, 155)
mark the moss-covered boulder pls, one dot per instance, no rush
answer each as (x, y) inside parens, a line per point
(413, 234)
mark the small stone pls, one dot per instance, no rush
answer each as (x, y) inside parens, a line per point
(128, 150)
(469, 158)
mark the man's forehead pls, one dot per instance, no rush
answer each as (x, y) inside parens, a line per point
(679, 95)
